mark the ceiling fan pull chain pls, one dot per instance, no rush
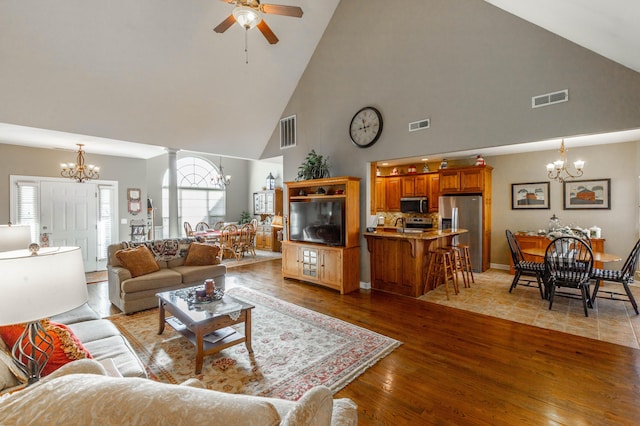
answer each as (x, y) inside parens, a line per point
(246, 46)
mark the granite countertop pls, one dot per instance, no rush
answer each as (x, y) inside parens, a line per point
(390, 232)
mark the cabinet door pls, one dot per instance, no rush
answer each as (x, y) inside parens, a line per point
(449, 181)
(434, 192)
(381, 202)
(408, 186)
(393, 191)
(471, 180)
(257, 204)
(290, 262)
(309, 265)
(422, 186)
(270, 203)
(331, 267)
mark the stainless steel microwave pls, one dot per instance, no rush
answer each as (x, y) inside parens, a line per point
(414, 205)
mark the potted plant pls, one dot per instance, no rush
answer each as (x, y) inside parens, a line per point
(245, 217)
(314, 167)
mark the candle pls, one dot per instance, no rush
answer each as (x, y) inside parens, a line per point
(209, 285)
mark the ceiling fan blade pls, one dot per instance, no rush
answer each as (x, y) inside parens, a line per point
(267, 33)
(278, 9)
(224, 25)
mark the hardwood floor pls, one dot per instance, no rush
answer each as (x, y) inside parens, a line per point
(460, 367)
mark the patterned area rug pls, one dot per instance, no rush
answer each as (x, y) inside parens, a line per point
(294, 350)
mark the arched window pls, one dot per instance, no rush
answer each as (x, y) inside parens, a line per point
(200, 199)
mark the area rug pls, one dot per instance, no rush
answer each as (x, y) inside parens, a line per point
(294, 348)
(261, 256)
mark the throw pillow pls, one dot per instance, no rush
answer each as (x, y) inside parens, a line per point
(66, 345)
(201, 255)
(139, 260)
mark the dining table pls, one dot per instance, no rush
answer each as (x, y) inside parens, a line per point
(597, 255)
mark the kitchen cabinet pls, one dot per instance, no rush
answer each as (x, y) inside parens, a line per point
(267, 202)
(414, 186)
(465, 180)
(393, 193)
(380, 195)
(434, 192)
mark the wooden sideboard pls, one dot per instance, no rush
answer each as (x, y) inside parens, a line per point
(538, 241)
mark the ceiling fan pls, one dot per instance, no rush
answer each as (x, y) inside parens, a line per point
(248, 13)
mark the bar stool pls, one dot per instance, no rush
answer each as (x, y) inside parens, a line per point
(462, 263)
(440, 271)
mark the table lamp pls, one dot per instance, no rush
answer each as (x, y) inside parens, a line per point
(14, 237)
(36, 286)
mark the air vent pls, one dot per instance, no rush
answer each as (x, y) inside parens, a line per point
(419, 125)
(288, 132)
(550, 99)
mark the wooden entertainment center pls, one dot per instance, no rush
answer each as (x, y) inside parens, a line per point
(336, 267)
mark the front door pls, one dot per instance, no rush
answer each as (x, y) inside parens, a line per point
(69, 217)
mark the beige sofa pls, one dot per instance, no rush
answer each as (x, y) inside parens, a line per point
(132, 294)
(83, 393)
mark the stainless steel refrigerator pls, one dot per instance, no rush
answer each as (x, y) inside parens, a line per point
(464, 212)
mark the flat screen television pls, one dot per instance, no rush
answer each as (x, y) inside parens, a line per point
(317, 221)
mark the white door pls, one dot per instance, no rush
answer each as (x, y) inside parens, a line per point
(69, 217)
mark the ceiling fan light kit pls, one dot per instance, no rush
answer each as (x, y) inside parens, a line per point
(248, 14)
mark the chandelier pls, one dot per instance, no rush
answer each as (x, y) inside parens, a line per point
(221, 179)
(558, 169)
(80, 171)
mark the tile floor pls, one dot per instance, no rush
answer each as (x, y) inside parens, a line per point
(610, 320)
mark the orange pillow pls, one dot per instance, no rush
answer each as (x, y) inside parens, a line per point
(139, 260)
(66, 345)
(200, 254)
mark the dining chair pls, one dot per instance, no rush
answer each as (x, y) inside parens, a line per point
(568, 263)
(622, 276)
(525, 268)
(229, 241)
(246, 240)
(218, 225)
(202, 226)
(187, 229)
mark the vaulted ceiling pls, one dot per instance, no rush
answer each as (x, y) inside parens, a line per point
(121, 73)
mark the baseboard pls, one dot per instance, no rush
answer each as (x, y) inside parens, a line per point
(365, 286)
(499, 266)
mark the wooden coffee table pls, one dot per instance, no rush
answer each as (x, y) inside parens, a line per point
(206, 325)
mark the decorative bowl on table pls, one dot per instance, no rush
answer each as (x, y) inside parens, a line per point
(199, 295)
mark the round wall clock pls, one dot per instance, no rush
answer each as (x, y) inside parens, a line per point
(366, 127)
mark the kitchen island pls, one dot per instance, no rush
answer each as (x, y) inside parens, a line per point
(399, 259)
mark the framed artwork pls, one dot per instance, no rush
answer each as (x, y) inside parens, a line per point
(587, 194)
(533, 195)
(133, 200)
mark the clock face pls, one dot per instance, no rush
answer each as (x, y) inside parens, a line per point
(366, 127)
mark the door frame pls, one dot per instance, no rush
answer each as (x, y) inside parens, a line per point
(13, 209)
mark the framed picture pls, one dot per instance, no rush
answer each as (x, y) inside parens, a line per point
(533, 195)
(587, 194)
(133, 194)
(133, 200)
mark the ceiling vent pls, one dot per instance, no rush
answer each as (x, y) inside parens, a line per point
(419, 125)
(288, 132)
(550, 99)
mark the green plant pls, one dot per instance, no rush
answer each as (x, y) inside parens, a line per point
(245, 217)
(314, 167)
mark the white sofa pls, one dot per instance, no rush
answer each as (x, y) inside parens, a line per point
(83, 393)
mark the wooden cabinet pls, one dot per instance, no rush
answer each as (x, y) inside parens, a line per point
(264, 237)
(267, 202)
(380, 203)
(465, 180)
(434, 192)
(414, 186)
(336, 267)
(393, 193)
(541, 242)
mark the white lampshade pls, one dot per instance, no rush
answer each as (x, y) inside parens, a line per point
(41, 285)
(246, 16)
(14, 237)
